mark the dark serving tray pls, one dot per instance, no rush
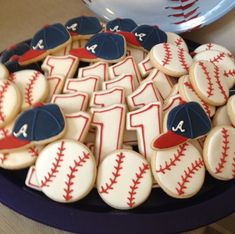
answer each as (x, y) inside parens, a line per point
(159, 214)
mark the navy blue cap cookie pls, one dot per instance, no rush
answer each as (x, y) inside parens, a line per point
(83, 27)
(39, 125)
(145, 37)
(185, 121)
(121, 24)
(106, 46)
(47, 40)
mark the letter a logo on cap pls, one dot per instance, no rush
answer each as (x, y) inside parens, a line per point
(22, 131)
(179, 127)
(92, 48)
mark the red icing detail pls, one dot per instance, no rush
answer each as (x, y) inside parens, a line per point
(218, 58)
(3, 91)
(217, 78)
(204, 104)
(188, 175)
(229, 73)
(178, 41)
(168, 139)
(14, 58)
(31, 54)
(135, 183)
(115, 173)
(168, 55)
(55, 166)
(71, 175)
(82, 53)
(224, 153)
(208, 78)
(147, 69)
(209, 46)
(182, 6)
(177, 158)
(3, 158)
(11, 142)
(29, 88)
(4, 132)
(33, 151)
(12, 77)
(38, 104)
(73, 33)
(182, 59)
(130, 38)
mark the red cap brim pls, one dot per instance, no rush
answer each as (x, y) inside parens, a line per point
(31, 54)
(73, 34)
(130, 38)
(168, 140)
(82, 53)
(11, 142)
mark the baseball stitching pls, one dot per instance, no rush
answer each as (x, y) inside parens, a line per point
(209, 46)
(205, 106)
(71, 175)
(3, 158)
(178, 41)
(168, 55)
(3, 91)
(55, 166)
(217, 78)
(33, 151)
(229, 73)
(135, 183)
(177, 157)
(218, 58)
(12, 77)
(182, 60)
(4, 132)
(224, 153)
(188, 175)
(209, 83)
(116, 173)
(29, 88)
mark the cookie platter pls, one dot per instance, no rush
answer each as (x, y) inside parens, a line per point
(128, 182)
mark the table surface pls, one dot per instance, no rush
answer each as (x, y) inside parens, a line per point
(21, 19)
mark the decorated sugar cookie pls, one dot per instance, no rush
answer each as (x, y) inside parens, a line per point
(71, 102)
(65, 66)
(47, 40)
(31, 180)
(136, 53)
(176, 40)
(56, 84)
(109, 136)
(4, 73)
(126, 66)
(179, 171)
(145, 66)
(170, 59)
(231, 109)
(108, 97)
(124, 179)
(32, 85)
(10, 102)
(99, 69)
(185, 121)
(125, 81)
(106, 47)
(188, 93)
(145, 94)
(218, 152)
(87, 84)
(37, 126)
(120, 24)
(221, 117)
(209, 82)
(66, 170)
(220, 59)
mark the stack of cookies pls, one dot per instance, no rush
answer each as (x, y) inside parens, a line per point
(121, 107)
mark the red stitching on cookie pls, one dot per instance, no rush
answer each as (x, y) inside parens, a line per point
(55, 165)
(29, 88)
(217, 78)
(209, 46)
(136, 182)
(210, 85)
(3, 158)
(180, 153)
(3, 91)
(4, 132)
(182, 60)
(224, 153)
(12, 77)
(33, 151)
(229, 73)
(77, 163)
(218, 58)
(168, 55)
(188, 175)
(204, 104)
(115, 173)
(178, 41)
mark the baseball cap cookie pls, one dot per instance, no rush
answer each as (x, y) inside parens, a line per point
(37, 126)
(47, 40)
(121, 24)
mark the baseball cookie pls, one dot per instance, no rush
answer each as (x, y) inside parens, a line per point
(176, 40)
(170, 59)
(179, 171)
(4, 73)
(221, 117)
(124, 179)
(209, 82)
(66, 170)
(218, 152)
(231, 109)
(10, 102)
(32, 85)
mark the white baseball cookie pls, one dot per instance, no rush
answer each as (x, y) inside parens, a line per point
(231, 109)
(4, 73)
(221, 117)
